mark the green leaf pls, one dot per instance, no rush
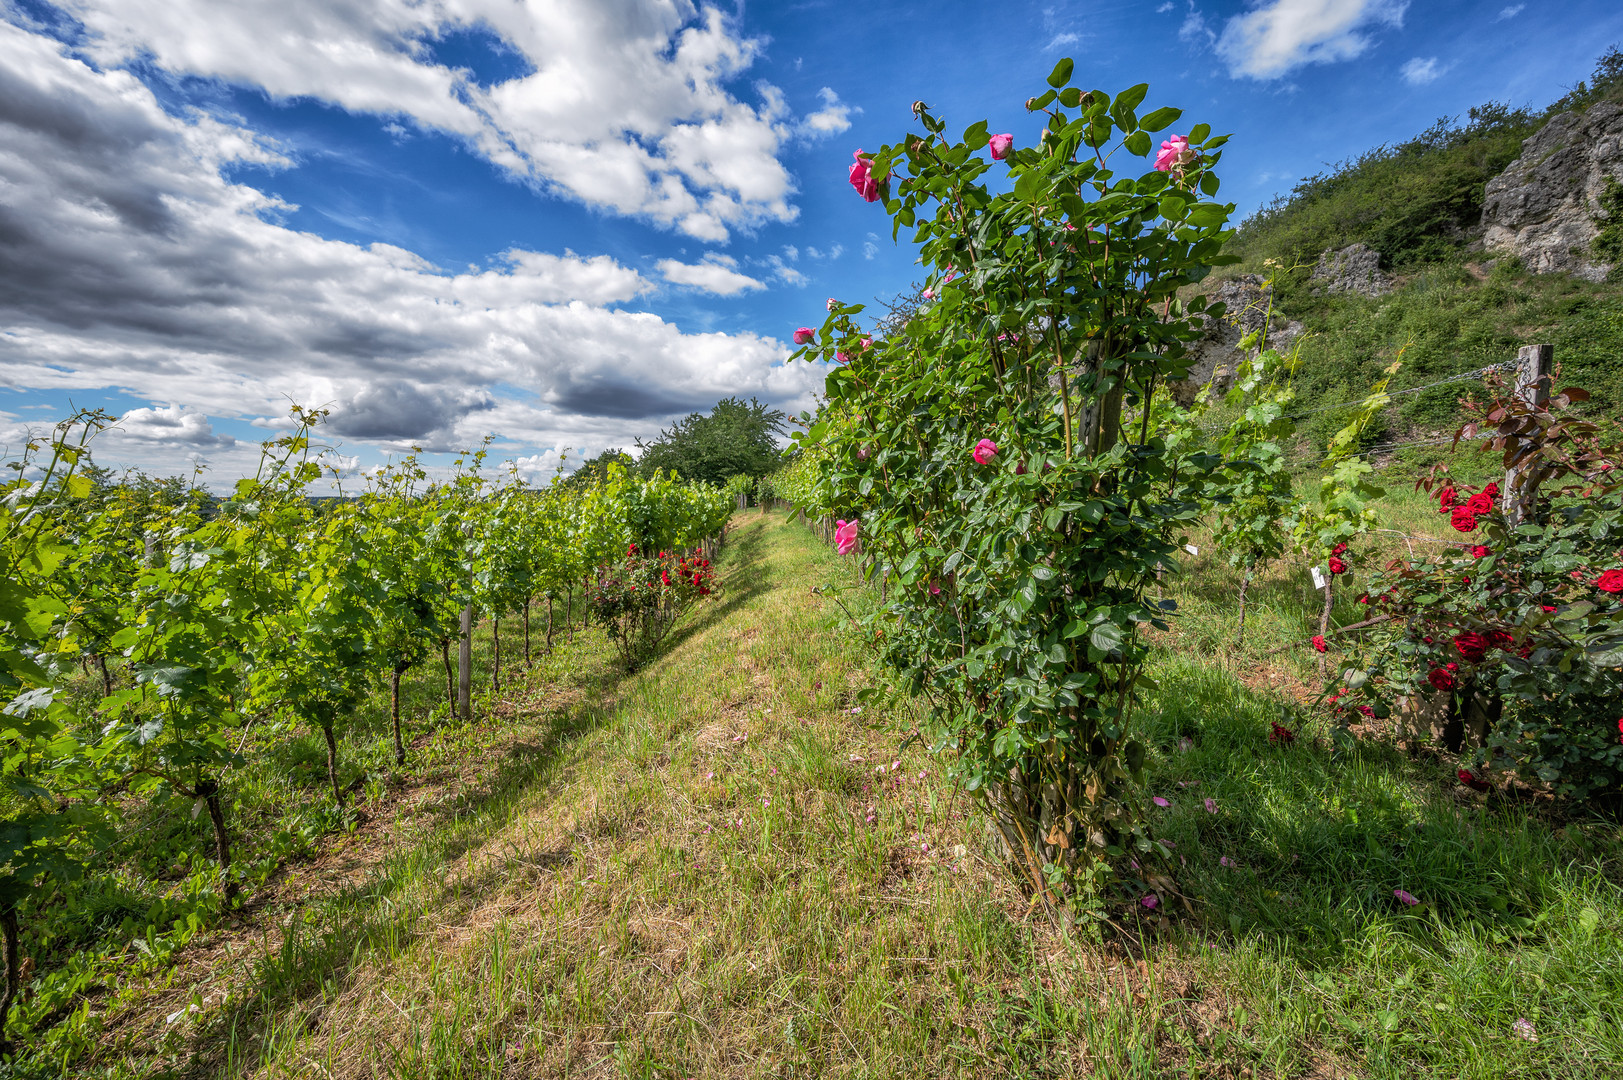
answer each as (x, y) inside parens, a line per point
(1107, 636)
(1199, 132)
(1070, 97)
(1137, 143)
(1061, 73)
(1129, 99)
(1161, 119)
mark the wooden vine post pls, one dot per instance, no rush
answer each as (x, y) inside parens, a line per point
(1533, 364)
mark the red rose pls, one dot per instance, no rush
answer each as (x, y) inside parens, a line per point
(1285, 735)
(1445, 499)
(1367, 710)
(1479, 552)
(1492, 491)
(1339, 549)
(1611, 581)
(1462, 519)
(1500, 640)
(1451, 666)
(1472, 781)
(1620, 728)
(1337, 566)
(1441, 679)
(1318, 643)
(1479, 503)
(1471, 646)
(1547, 607)
(1364, 599)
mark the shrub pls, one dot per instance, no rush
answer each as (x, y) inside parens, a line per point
(639, 602)
(1526, 615)
(997, 453)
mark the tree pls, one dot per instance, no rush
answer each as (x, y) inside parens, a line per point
(735, 438)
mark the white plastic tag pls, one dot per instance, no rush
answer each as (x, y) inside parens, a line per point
(1192, 549)
(1319, 580)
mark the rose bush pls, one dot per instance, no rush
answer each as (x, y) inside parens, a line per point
(1020, 576)
(1521, 630)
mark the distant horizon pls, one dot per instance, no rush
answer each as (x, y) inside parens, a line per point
(570, 226)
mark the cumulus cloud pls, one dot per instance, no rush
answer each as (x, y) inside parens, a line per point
(622, 104)
(1510, 11)
(1419, 72)
(127, 260)
(1278, 36)
(712, 275)
(833, 118)
(173, 425)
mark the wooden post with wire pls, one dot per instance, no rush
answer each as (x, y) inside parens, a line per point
(1533, 364)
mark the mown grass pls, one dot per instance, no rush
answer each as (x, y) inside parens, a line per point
(698, 871)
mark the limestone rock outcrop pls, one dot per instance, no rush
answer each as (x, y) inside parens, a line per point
(1246, 302)
(1354, 269)
(1542, 208)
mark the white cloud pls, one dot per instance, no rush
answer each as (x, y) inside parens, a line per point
(1195, 30)
(1060, 41)
(833, 118)
(710, 276)
(173, 425)
(1419, 72)
(127, 261)
(1164, 8)
(624, 105)
(781, 270)
(1279, 36)
(1510, 11)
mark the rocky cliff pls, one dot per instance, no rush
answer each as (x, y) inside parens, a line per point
(1543, 208)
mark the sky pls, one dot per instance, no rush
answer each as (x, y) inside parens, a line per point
(564, 224)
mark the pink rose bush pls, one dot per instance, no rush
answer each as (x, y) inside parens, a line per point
(805, 336)
(999, 146)
(985, 451)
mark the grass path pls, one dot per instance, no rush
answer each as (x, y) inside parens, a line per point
(719, 868)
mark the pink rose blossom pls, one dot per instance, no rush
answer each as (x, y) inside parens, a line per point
(1405, 897)
(845, 536)
(805, 335)
(985, 451)
(862, 178)
(999, 145)
(832, 303)
(842, 358)
(1171, 150)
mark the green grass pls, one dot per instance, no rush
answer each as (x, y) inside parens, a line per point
(675, 874)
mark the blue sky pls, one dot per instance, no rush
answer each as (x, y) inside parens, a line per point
(565, 224)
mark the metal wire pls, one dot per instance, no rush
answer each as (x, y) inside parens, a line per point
(1503, 365)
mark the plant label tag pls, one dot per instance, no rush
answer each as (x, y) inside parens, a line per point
(1319, 580)
(1192, 549)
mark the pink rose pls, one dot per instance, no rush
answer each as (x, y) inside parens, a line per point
(805, 335)
(842, 358)
(999, 145)
(845, 536)
(985, 451)
(862, 178)
(832, 303)
(929, 294)
(1171, 151)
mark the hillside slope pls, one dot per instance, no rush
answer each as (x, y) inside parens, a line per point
(1451, 304)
